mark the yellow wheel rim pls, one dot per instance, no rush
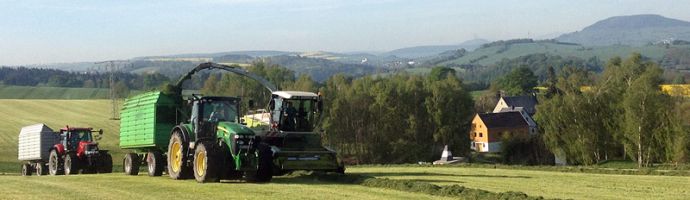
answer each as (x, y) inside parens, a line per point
(200, 163)
(176, 156)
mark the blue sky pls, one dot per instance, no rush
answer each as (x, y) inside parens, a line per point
(34, 32)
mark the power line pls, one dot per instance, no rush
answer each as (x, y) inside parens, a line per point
(112, 66)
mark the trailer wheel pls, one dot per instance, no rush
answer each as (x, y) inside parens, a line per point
(26, 170)
(106, 164)
(177, 156)
(131, 164)
(154, 159)
(206, 163)
(54, 163)
(41, 169)
(264, 173)
(71, 164)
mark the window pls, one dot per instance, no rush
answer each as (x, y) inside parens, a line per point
(481, 135)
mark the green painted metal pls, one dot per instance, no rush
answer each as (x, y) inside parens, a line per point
(146, 121)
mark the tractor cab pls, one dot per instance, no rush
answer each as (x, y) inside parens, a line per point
(79, 140)
(208, 112)
(293, 111)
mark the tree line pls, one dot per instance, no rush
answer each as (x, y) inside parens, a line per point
(623, 115)
(23, 76)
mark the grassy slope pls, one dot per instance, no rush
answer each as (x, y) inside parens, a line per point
(118, 186)
(56, 114)
(517, 50)
(541, 183)
(30, 92)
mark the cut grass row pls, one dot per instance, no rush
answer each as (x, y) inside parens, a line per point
(31, 92)
(118, 186)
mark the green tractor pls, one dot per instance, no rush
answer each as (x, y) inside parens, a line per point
(214, 145)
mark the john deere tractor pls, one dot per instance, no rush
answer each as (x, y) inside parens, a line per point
(214, 145)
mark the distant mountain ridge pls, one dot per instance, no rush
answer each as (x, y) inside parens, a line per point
(634, 30)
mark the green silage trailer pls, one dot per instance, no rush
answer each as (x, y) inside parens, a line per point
(145, 126)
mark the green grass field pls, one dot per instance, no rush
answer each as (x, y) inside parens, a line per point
(543, 183)
(31, 92)
(119, 186)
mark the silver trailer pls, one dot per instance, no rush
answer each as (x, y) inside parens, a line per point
(35, 143)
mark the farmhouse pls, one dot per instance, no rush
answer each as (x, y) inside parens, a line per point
(488, 129)
(512, 116)
(527, 103)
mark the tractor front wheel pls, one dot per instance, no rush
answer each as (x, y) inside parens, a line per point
(71, 164)
(54, 163)
(177, 157)
(26, 170)
(154, 159)
(131, 164)
(206, 161)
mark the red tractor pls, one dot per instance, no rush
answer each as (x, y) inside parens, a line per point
(78, 152)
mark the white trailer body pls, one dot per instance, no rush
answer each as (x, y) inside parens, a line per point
(35, 142)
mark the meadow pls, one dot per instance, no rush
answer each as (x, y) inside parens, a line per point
(96, 113)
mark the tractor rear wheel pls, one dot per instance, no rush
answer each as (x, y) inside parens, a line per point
(264, 173)
(54, 163)
(206, 162)
(154, 159)
(177, 156)
(41, 169)
(26, 170)
(71, 164)
(131, 164)
(106, 164)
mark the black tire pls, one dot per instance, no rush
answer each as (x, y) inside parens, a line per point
(228, 171)
(177, 157)
(340, 170)
(264, 172)
(206, 162)
(155, 160)
(130, 164)
(71, 164)
(106, 164)
(41, 169)
(55, 163)
(26, 170)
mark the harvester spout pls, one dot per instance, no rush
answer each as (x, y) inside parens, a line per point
(177, 88)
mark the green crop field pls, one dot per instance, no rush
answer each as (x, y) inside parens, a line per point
(543, 183)
(119, 186)
(31, 92)
(96, 113)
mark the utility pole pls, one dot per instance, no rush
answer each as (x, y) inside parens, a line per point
(112, 66)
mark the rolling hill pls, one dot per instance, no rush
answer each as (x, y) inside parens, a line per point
(431, 50)
(630, 30)
(497, 51)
